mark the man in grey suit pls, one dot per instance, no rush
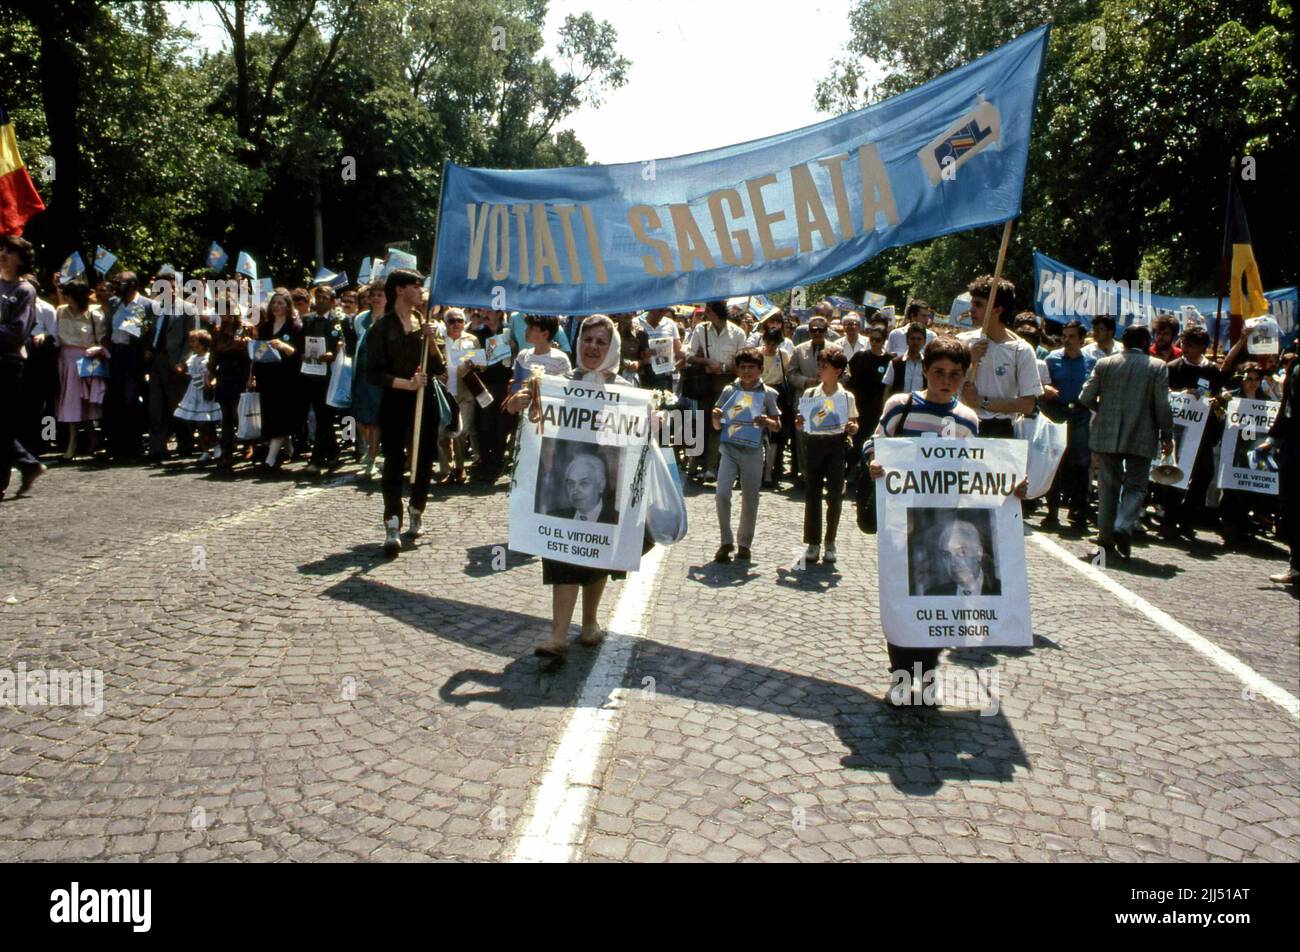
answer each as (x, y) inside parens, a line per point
(1130, 393)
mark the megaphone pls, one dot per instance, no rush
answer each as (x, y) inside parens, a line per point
(1166, 472)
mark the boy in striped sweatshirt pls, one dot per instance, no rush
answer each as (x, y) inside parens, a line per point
(935, 411)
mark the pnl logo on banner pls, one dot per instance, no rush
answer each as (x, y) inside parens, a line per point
(968, 136)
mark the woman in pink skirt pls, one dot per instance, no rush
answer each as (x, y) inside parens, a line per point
(82, 330)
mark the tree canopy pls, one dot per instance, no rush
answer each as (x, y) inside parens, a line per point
(341, 108)
(343, 112)
(1141, 109)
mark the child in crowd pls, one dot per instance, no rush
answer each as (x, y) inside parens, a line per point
(199, 404)
(834, 418)
(745, 413)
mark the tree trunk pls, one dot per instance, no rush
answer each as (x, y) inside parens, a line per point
(59, 27)
(238, 41)
(318, 224)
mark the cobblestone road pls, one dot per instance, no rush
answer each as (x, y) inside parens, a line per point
(275, 690)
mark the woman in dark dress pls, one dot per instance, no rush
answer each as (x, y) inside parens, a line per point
(367, 398)
(228, 365)
(277, 381)
(598, 356)
(394, 345)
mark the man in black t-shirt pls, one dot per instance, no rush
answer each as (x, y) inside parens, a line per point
(866, 381)
(491, 420)
(327, 323)
(1192, 372)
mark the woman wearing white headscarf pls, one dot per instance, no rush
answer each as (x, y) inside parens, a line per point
(598, 355)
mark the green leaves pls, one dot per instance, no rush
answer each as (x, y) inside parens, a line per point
(1140, 109)
(177, 147)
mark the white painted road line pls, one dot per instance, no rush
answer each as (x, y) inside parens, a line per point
(1202, 645)
(556, 818)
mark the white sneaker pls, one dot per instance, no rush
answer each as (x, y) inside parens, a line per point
(414, 522)
(813, 553)
(830, 554)
(205, 457)
(709, 477)
(392, 536)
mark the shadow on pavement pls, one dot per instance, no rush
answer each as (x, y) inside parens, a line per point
(722, 574)
(918, 749)
(814, 578)
(483, 560)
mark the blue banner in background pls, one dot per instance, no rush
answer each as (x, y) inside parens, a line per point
(765, 215)
(1063, 293)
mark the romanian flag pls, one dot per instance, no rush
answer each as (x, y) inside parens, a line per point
(1246, 290)
(18, 198)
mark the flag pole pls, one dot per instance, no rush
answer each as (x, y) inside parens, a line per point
(1223, 258)
(993, 293)
(997, 274)
(424, 344)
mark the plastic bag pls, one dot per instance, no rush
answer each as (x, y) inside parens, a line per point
(339, 394)
(449, 419)
(250, 416)
(1046, 448)
(665, 505)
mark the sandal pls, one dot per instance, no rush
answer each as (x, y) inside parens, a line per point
(591, 638)
(549, 650)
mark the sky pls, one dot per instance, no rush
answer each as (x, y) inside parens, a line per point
(705, 73)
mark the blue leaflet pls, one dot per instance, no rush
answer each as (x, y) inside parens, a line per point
(738, 415)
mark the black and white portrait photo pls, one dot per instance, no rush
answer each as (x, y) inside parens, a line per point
(578, 481)
(951, 552)
(1241, 453)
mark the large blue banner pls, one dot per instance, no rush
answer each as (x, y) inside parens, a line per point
(1063, 293)
(762, 216)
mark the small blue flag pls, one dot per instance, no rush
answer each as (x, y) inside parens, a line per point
(324, 276)
(760, 306)
(246, 265)
(400, 259)
(340, 282)
(217, 258)
(73, 266)
(841, 304)
(872, 299)
(104, 260)
(363, 274)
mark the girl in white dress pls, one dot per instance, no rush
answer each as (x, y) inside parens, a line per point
(199, 405)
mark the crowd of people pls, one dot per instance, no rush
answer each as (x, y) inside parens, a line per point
(108, 373)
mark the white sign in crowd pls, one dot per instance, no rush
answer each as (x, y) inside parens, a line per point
(1241, 465)
(574, 497)
(1190, 414)
(951, 543)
